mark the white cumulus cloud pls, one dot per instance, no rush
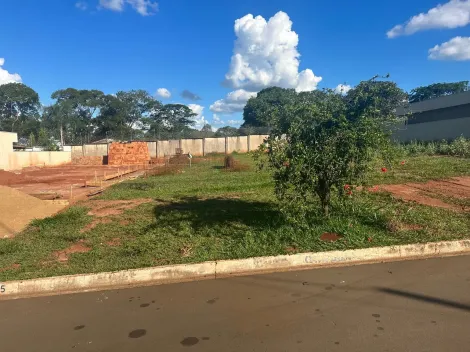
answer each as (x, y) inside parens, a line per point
(164, 93)
(234, 122)
(81, 5)
(457, 49)
(199, 111)
(234, 102)
(265, 54)
(7, 77)
(454, 14)
(342, 88)
(143, 7)
(216, 120)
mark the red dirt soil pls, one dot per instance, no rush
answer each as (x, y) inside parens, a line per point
(330, 237)
(59, 179)
(79, 247)
(101, 209)
(431, 193)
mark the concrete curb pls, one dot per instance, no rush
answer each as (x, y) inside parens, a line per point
(226, 268)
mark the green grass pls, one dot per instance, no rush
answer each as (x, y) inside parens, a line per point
(422, 169)
(206, 213)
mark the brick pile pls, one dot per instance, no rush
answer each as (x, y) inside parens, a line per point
(87, 160)
(133, 153)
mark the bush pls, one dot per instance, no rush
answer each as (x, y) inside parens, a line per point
(229, 162)
(460, 147)
(324, 141)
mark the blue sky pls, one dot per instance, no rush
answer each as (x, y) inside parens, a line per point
(188, 45)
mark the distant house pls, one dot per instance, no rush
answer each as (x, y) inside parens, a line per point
(445, 117)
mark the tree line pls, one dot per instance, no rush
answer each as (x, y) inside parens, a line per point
(84, 116)
(260, 110)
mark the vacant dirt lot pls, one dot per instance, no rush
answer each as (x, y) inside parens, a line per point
(57, 179)
(453, 193)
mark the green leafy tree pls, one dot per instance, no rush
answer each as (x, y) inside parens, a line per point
(72, 113)
(32, 139)
(227, 131)
(43, 138)
(325, 140)
(19, 108)
(170, 121)
(438, 90)
(125, 115)
(259, 110)
(206, 131)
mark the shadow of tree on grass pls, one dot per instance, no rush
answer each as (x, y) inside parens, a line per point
(217, 213)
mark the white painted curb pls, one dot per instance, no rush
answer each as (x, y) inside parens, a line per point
(226, 268)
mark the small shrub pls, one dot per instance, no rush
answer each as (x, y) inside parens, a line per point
(229, 162)
(171, 169)
(460, 147)
(179, 160)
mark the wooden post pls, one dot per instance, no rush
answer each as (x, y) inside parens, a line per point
(226, 145)
(71, 195)
(203, 147)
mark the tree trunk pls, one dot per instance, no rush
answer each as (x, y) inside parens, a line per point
(61, 136)
(324, 193)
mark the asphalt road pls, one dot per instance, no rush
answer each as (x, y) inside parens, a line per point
(405, 306)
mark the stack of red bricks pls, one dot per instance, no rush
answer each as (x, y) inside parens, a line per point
(133, 153)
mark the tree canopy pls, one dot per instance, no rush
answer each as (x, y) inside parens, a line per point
(323, 141)
(258, 110)
(19, 108)
(437, 90)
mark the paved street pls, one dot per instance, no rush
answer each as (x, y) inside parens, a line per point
(406, 306)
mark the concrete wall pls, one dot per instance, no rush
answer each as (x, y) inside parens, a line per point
(152, 149)
(237, 144)
(95, 149)
(18, 160)
(433, 131)
(167, 147)
(214, 145)
(77, 151)
(256, 141)
(193, 146)
(6, 147)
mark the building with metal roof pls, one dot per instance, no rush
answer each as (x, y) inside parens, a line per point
(445, 117)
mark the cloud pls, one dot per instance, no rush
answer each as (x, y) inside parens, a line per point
(199, 111)
(234, 122)
(265, 54)
(342, 88)
(143, 7)
(234, 102)
(454, 14)
(457, 49)
(186, 94)
(113, 5)
(7, 77)
(216, 120)
(81, 5)
(163, 92)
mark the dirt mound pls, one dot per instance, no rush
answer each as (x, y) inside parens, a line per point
(17, 209)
